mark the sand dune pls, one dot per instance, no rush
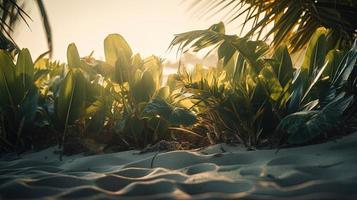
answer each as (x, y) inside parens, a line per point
(323, 171)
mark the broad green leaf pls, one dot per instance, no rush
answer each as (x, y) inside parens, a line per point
(24, 69)
(71, 99)
(346, 67)
(180, 116)
(115, 46)
(73, 58)
(154, 66)
(137, 62)
(316, 51)
(294, 125)
(29, 105)
(333, 59)
(302, 127)
(271, 83)
(163, 93)
(173, 115)
(95, 113)
(7, 80)
(172, 82)
(226, 51)
(298, 90)
(143, 89)
(122, 71)
(283, 68)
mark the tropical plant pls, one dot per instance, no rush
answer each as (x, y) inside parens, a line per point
(242, 92)
(18, 102)
(328, 96)
(123, 95)
(260, 90)
(288, 21)
(139, 95)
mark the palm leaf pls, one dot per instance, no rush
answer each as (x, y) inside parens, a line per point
(293, 22)
(12, 11)
(215, 36)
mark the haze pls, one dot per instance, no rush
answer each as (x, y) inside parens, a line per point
(148, 26)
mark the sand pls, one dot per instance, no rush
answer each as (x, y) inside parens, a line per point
(322, 171)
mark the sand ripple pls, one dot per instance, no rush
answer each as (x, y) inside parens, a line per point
(324, 171)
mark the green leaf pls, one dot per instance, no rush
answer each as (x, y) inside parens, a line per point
(346, 67)
(180, 116)
(283, 67)
(28, 107)
(271, 83)
(333, 59)
(173, 115)
(154, 66)
(298, 89)
(71, 99)
(95, 113)
(73, 58)
(137, 62)
(316, 52)
(227, 44)
(163, 93)
(144, 88)
(302, 127)
(7, 80)
(122, 71)
(115, 46)
(226, 52)
(24, 69)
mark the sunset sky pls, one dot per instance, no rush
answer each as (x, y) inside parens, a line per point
(148, 26)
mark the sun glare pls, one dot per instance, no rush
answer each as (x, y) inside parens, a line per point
(148, 26)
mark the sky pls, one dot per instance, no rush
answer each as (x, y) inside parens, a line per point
(147, 25)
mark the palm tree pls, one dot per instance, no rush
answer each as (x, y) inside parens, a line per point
(11, 12)
(293, 21)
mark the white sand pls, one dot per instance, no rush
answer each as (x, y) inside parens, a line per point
(323, 171)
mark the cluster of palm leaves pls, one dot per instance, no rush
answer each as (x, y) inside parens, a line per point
(288, 21)
(87, 97)
(11, 13)
(256, 94)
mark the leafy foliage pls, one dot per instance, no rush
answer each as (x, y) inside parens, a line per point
(304, 126)
(260, 93)
(292, 22)
(87, 97)
(174, 115)
(254, 95)
(19, 96)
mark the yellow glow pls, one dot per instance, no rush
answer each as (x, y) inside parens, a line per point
(148, 26)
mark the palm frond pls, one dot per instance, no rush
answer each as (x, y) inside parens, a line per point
(293, 22)
(228, 45)
(11, 12)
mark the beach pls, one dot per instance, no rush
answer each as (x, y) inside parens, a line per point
(321, 171)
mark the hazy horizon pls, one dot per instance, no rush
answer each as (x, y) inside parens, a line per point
(148, 26)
